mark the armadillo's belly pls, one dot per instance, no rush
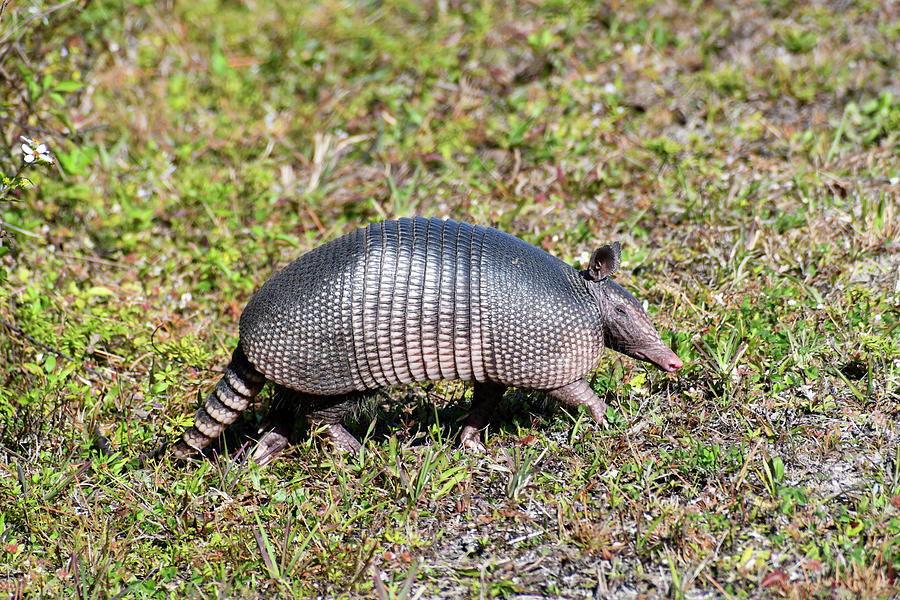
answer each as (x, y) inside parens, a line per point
(416, 300)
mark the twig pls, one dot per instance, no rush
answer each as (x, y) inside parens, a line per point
(5, 225)
(64, 483)
(47, 348)
(717, 586)
(740, 479)
(128, 588)
(35, 128)
(39, 15)
(91, 259)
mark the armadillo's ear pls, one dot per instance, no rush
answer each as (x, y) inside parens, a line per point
(605, 261)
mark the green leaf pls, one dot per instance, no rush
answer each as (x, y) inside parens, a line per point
(75, 161)
(32, 368)
(34, 90)
(99, 290)
(65, 87)
(63, 116)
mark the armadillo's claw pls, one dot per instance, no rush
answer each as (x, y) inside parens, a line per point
(342, 439)
(485, 396)
(469, 439)
(579, 393)
(269, 447)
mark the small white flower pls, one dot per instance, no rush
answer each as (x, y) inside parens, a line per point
(609, 88)
(35, 151)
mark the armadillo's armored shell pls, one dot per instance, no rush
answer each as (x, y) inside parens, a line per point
(422, 299)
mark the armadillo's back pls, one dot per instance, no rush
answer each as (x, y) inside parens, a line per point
(544, 327)
(422, 299)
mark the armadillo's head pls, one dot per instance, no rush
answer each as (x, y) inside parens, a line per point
(626, 326)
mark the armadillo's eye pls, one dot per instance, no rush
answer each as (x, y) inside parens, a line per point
(620, 310)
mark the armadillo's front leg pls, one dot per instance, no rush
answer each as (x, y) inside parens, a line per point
(485, 397)
(580, 393)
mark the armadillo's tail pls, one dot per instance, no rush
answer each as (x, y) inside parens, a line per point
(240, 383)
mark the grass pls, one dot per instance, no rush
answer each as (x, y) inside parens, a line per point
(745, 156)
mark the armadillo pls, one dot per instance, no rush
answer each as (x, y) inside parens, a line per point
(416, 300)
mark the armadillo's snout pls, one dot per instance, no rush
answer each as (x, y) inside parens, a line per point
(673, 363)
(661, 356)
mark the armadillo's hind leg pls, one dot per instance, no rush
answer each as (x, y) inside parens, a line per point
(485, 397)
(331, 417)
(278, 424)
(240, 383)
(342, 439)
(330, 412)
(579, 393)
(287, 404)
